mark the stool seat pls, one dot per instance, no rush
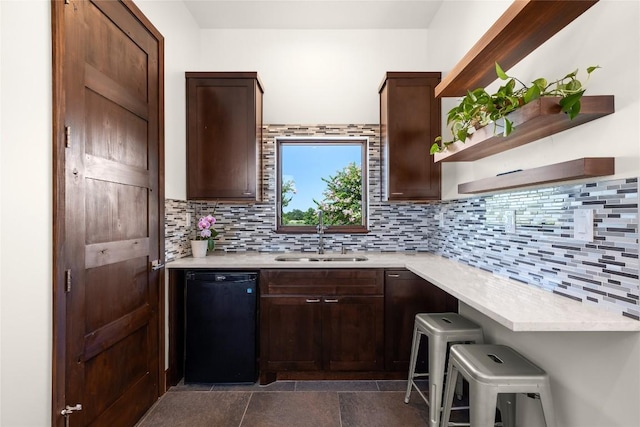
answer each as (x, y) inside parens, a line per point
(495, 373)
(441, 329)
(496, 363)
(445, 324)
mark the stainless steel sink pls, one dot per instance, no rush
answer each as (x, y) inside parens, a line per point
(321, 258)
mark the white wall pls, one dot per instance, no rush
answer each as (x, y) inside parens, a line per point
(607, 35)
(26, 189)
(317, 76)
(181, 50)
(26, 213)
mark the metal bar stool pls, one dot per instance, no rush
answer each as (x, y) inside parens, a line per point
(441, 329)
(495, 373)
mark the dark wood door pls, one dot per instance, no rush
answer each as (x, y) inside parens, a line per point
(409, 121)
(224, 136)
(353, 335)
(406, 295)
(109, 206)
(291, 333)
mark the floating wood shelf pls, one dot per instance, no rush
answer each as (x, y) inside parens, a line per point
(535, 120)
(575, 169)
(524, 26)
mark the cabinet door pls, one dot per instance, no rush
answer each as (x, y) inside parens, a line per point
(290, 333)
(353, 335)
(224, 133)
(406, 295)
(410, 121)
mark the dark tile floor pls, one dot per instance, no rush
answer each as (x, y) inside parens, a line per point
(291, 404)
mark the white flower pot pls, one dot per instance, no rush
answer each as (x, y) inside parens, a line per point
(199, 248)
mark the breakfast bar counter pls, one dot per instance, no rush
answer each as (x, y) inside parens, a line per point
(514, 305)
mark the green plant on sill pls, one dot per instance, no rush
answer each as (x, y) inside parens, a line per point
(478, 108)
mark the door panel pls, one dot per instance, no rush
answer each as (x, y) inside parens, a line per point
(113, 212)
(120, 288)
(121, 56)
(110, 204)
(107, 378)
(110, 124)
(291, 333)
(353, 333)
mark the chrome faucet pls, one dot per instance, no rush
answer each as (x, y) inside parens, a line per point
(320, 227)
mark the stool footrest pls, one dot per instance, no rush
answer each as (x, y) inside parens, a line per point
(420, 375)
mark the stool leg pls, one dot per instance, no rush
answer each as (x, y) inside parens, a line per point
(437, 357)
(459, 388)
(412, 361)
(507, 406)
(448, 393)
(482, 405)
(547, 405)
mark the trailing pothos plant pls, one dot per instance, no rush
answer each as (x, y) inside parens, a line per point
(478, 108)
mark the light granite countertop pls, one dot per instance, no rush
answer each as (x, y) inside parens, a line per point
(517, 306)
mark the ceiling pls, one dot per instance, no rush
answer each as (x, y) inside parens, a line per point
(313, 14)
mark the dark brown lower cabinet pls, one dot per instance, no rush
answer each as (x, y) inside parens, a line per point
(405, 295)
(291, 333)
(353, 333)
(328, 323)
(322, 320)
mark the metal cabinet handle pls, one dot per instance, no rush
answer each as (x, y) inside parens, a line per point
(309, 300)
(331, 300)
(397, 194)
(394, 276)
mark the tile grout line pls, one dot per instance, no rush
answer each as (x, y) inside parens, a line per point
(339, 409)
(245, 409)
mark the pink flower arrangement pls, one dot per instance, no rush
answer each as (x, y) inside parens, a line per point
(205, 228)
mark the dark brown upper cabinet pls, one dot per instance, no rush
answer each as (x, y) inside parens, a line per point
(224, 136)
(409, 122)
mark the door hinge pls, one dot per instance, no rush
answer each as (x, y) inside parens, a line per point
(67, 281)
(67, 136)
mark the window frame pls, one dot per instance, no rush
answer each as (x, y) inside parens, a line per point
(363, 142)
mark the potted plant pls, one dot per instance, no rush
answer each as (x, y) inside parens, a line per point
(204, 237)
(479, 108)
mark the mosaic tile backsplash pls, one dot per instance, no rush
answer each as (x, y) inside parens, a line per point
(542, 251)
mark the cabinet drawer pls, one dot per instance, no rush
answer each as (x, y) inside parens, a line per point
(322, 282)
(400, 275)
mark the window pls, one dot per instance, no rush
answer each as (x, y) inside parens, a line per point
(321, 174)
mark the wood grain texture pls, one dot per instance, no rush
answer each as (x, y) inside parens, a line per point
(323, 327)
(524, 26)
(535, 120)
(574, 169)
(224, 136)
(109, 198)
(409, 122)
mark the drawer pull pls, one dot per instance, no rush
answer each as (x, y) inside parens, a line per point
(330, 300)
(309, 300)
(394, 276)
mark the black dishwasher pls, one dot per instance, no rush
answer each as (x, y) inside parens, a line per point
(220, 327)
